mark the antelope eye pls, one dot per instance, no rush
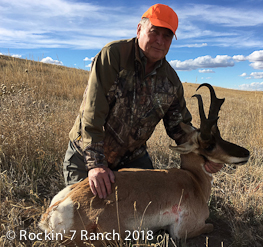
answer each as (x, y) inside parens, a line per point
(210, 147)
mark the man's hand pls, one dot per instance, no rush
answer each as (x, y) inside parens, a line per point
(212, 167)
(100, 179)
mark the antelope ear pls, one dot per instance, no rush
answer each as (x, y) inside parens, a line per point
(184, 148)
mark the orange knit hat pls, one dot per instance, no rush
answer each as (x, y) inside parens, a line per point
(161, 15)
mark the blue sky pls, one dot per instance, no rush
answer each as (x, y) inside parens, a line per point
(219, 42)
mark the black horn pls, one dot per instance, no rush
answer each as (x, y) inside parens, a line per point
(215, 104)
(205, 123)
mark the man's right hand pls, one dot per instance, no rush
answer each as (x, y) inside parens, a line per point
(100, 179)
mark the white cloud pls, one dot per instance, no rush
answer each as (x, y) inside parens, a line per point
(254, 75)
(203, 62)
(256, 59)
(257, 65)
(256, 56)
(257, 75)
(11, 55)
(87, 25)
(88, 59)
(220, 14)
(221, 25)
(196, 45)
(206, 71)
(254, 86)
(239, 58)
(64, 24)
(88, 66)
(16, 56)
(51, 61)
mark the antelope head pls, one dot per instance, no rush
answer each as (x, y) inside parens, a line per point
(207, 141)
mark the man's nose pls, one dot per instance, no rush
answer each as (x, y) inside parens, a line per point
(160, 39)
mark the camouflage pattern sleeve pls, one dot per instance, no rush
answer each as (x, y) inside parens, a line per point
(94, 156)
(95, 106)
(177, 113)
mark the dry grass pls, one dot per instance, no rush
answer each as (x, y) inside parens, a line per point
(38, 105)
(237, 196)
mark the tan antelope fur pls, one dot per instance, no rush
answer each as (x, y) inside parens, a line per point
(174, 199)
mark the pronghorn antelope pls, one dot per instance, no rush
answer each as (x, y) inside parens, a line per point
(174, 199)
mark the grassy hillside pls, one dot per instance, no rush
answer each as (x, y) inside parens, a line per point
(38, 106)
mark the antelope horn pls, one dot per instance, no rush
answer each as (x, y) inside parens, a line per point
(206, 124)
(215, 102)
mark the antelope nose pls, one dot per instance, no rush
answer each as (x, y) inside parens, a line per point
(245, 153)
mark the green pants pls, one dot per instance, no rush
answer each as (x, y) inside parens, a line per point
(74, 168)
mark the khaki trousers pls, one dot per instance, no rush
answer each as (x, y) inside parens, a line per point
(74, 168)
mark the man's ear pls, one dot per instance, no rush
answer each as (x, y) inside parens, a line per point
(139, 28)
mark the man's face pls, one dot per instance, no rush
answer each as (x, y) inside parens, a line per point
(154, 41)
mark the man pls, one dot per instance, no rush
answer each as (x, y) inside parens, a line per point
(130, 89)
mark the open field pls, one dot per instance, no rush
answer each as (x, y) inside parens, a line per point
(38, 106)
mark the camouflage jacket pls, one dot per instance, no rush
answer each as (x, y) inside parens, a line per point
(122, 106)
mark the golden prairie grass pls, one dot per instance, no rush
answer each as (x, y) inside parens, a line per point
(38, 106)
(237, 194)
